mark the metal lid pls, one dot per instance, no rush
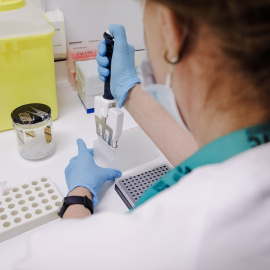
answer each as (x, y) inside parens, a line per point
(30, 114)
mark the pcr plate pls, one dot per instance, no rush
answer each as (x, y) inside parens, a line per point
(131, 188)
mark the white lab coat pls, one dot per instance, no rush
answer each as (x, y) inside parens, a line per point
(217, 217)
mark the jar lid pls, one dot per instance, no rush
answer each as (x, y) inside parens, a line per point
(31, 114)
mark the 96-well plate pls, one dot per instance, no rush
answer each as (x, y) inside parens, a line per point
(131, 188)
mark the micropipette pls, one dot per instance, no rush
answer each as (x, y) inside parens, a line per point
(109, 118)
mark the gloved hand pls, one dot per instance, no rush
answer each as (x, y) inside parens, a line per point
(84, 172)
(123, 72)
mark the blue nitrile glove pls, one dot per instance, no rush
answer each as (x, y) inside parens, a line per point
(123, 72)
(82, 171)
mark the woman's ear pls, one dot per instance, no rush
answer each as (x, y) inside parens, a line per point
(172, 32)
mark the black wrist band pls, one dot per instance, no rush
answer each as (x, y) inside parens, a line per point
(76, 200)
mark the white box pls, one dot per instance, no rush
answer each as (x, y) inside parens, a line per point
(88, 101)
(57, 21)
(88, 77)
(88, 83)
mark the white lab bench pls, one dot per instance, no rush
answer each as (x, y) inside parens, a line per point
(72, 123)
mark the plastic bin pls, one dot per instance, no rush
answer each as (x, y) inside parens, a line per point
(26, 59)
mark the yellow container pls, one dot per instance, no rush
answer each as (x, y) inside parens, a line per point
(26, 59)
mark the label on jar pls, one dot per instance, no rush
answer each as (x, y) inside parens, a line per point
(48, 134)
(30, 134)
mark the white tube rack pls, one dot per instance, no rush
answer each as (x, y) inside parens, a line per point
(27, 206)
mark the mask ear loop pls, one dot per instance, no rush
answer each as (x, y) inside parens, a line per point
(175, 61)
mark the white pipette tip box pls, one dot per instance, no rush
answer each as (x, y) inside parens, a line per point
(27, 206)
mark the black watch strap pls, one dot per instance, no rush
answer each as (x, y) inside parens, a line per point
(76, 200)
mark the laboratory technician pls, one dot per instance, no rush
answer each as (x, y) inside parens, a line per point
(208, 67)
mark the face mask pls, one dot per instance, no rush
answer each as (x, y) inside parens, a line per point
(163, 94)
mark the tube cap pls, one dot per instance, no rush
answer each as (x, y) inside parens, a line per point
(31, 114)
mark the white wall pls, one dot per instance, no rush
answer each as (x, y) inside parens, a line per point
(88, 19)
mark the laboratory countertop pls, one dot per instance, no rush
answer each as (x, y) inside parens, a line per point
(72, 123)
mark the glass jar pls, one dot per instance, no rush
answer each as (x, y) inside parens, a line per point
(33, 126)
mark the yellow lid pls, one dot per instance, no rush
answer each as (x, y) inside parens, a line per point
(7, 5)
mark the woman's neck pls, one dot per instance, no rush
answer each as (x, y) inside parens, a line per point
(213, 125)
(229, 105)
